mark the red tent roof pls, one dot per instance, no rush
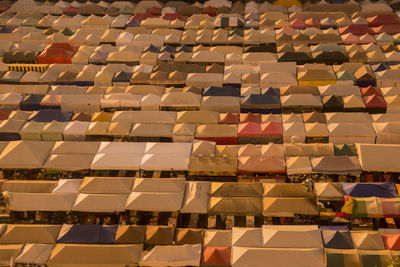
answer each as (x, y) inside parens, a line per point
(141, 16)
(228, 118)
(370, 90)
(216, 256)
(356, 29)
(173, 16)
(57, 53)
(71, 10)
(156, 11)
(249, 129)
(389, 29)
(386, 19)
(271, 129)
(297, 24)
(374, 101)
(210, 11)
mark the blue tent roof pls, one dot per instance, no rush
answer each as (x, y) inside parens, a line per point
(261, 100)
(379, 67)
(337, 239)
(5, 29)
(88, 234)
(221, 91)
(184, 48)
(31, 102)
(48, 115)
(168, 48)
(385, 190)
(122, 76)
(151, 48)
(132, 23)
(272, 92)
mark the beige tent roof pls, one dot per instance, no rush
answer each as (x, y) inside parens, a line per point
(86, 255)
(257, 257)
(288, 207)
(158, 185)
(100, 202)
(179, 99)
(203, 148)
(246, 237)
(309, 150)
(109, 185)
(236, 189)
(53, 131)
(34, 253)
(341, 133)
(7, 252)
(216, 130)
(197, 117)
(161, 117)
(110, 161)
(25, 154)
(30, 233)
(196, 197)
(28, 186)
(291, 236)
(204, 79)
(349, 255)
(350, 117)
(72, 162)
(164, 162)
(374, 157)
(154, 201)
(304, 100)
(328, 191)
(298, 165)
(285, 190)
(217, 238)
(172, 256)
(235, 205)
(152, 130)
(368, 240)
(316, 129)
(40, 201)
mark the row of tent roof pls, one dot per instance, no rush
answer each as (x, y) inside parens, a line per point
(241, 133)
(176, 195)
(142, 50)
(249, 6)
(334, 24)
(246, 75)
(184, 8)
(67, 155)
(311, 158)
(102, 53)
(214, 101)
(281, 246)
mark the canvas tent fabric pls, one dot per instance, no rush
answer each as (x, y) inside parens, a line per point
(280, 257)
(82, 254)
(377, 157)
(173, 256)
(27, 233)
